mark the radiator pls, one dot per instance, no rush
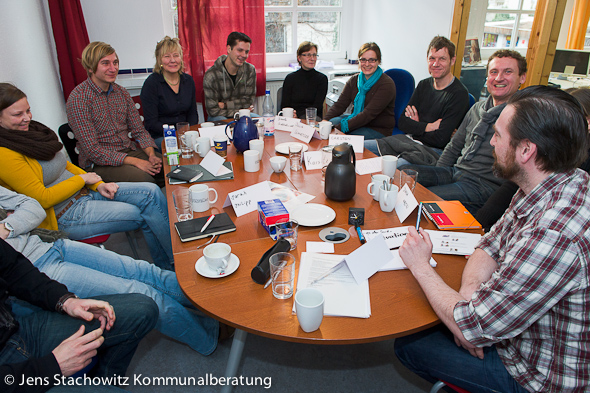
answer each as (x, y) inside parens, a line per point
(274, 87)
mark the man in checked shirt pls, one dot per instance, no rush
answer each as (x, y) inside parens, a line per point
(521, 320)
(103, 117)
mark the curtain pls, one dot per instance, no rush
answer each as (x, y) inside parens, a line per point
(203, 27)
(71, 37)
(578, 25)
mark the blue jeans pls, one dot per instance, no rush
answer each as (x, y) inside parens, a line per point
(434, 356)
(136, 205)
(451, 184)
(90, 271)
(41, 332)
(367, 132)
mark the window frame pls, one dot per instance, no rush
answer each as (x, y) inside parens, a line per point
(518, 11)
(340, 56)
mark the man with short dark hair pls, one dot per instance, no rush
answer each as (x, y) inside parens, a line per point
(522, 314)
(464, 170)
(435, 110)
(38, 350)
(103, 117)
(230, 83)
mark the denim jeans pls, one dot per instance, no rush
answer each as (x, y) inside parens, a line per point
(367, 132)
(136, 205)
(41, 332)
(90, 271)
(451, 184)
(434, 356)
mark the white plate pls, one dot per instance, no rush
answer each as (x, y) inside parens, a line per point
(204, 270)
(313, 215)
(283, 148)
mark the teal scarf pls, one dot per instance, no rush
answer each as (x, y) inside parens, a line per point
(364, 86)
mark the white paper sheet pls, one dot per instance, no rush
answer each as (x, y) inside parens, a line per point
(396, 262)
(368, 258)
(343, 296)
(394, 237)
(313, 160)
(369, 165)
(357, 141)
(212, 132)
(245, 200)
(285, 123)
(319, 247)
(406, 203)
(303, 132)
(213, 162)
(454, 243)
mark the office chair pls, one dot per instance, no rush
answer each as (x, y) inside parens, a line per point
(279, 99)
(440, 384)
(471, 100)
(69, 140)
(404, 88)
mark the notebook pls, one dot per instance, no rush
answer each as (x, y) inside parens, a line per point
(207, 176)
(450, 215)
(191, 229)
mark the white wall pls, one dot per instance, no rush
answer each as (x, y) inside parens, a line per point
(27, 51)
(402, 29)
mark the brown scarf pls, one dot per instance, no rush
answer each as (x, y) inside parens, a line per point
(39, 142)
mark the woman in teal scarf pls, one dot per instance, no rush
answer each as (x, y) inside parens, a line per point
(372, 94)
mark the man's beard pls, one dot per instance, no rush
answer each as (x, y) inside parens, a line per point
(508, 171)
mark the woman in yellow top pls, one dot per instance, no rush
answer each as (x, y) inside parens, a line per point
(32, 162)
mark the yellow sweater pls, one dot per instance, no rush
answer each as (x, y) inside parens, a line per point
(24, 175)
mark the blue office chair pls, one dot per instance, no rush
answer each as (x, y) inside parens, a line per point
(404, 88)
(471, 100)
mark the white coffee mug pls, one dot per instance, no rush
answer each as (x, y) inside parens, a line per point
(278, 163)
(325, 129)
(375, 184)
(309, 306)
(258, 145)
(251, 161)
(203, 146)
(388, 165)
(217, 256)
(199, 195)
(241, 112)
(207, 124)
(388, 199)
(286, 112)
(191, 137)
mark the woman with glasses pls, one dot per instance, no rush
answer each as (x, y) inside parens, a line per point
(168, 95)
(372, 94)
(305, 87)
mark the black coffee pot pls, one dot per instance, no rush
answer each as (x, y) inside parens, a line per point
(340, 182)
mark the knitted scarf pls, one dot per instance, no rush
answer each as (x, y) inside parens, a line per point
(39, 142)
(364, 86)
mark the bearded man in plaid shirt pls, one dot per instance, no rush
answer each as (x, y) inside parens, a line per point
(521, 320)
(111, 137)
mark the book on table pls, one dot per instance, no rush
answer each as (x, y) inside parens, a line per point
(191, 229)
(450, 215)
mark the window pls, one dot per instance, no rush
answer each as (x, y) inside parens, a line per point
(290, 22)
(506, 19)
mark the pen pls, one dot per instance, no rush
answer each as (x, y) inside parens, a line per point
(419, 216)
(208, 222)
(338, 266)
(360, 233)
(268, 283)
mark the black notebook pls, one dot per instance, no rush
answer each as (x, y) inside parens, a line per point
(191, 229)
(185, 173)
(207, 176)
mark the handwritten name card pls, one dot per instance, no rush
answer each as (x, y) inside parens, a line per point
(286, 123)
(357, 141)
(303, 132)
(245, 200)
(406, 203)
(313, 160)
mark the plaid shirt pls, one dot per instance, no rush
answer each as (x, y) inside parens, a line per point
(103, 122)
(536, 306)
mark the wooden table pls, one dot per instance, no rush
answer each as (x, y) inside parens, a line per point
(398, 305)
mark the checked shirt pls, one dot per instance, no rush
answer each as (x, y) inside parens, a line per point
(536, 306)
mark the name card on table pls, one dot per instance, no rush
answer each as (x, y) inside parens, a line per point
(245, 200)
(369, 165)
(304, 133)
(212, 132)
(406, 203)
(394, 237)
(213, 162)
(286, 123)
(357, 141)
(313, 160)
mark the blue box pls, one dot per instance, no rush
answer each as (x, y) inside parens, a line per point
(270, 212)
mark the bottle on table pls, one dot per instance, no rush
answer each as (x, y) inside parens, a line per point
(268, 114)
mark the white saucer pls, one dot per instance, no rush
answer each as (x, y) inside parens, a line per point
(283, 148)
(204, 270)
(313, 215)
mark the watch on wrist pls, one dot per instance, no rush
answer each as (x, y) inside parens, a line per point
(9, 228)
(59, 307)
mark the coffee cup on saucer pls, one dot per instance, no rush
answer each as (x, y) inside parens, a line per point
(278, 163)
(217, 256)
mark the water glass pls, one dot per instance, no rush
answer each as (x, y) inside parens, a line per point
(185, 141)
(310, 116)
(288, 231)
(295, 156)
(282, 273)
(409, 177)
(182, 204)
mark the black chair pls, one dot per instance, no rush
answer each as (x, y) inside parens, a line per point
(69, 141)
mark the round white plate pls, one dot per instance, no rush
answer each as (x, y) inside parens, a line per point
(203, 269)
(283, 148)
(313, 215)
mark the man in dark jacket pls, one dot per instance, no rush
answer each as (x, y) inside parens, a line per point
(39, 350)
